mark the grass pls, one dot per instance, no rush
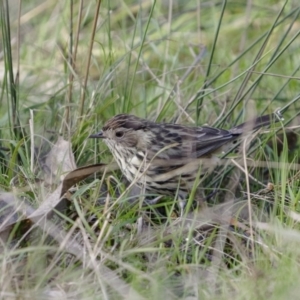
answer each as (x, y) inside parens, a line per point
(192, 62)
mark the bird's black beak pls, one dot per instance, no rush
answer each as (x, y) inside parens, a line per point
(98, 135)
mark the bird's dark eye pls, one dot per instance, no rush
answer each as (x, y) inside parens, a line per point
(119, 134)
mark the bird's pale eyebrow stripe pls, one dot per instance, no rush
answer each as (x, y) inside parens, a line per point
(125, 122)
(113, 124)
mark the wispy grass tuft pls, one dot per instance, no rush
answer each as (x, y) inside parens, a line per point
(67, 67)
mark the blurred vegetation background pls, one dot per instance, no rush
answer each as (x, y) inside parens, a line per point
(155, 59)
(68, 66)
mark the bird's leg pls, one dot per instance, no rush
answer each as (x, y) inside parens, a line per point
(182, 200)
(153, 201)
(198, 201)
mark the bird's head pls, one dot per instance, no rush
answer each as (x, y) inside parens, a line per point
(126, 131)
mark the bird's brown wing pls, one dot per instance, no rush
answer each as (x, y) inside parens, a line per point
(175, 142)
(188, 142)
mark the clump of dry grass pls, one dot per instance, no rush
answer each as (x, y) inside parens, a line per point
(66, 69)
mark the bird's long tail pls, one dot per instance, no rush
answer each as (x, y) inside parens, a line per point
(257, 123)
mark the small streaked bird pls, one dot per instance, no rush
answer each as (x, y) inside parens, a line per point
(165, 158)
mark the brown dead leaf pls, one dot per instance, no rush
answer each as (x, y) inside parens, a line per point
(57, 199)
(13, 209)
(59, 160)
(81, 173)
(65, 241)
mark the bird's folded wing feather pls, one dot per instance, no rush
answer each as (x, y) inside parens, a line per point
(191, 143)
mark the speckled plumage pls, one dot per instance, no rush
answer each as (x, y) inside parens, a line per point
(166, 158)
